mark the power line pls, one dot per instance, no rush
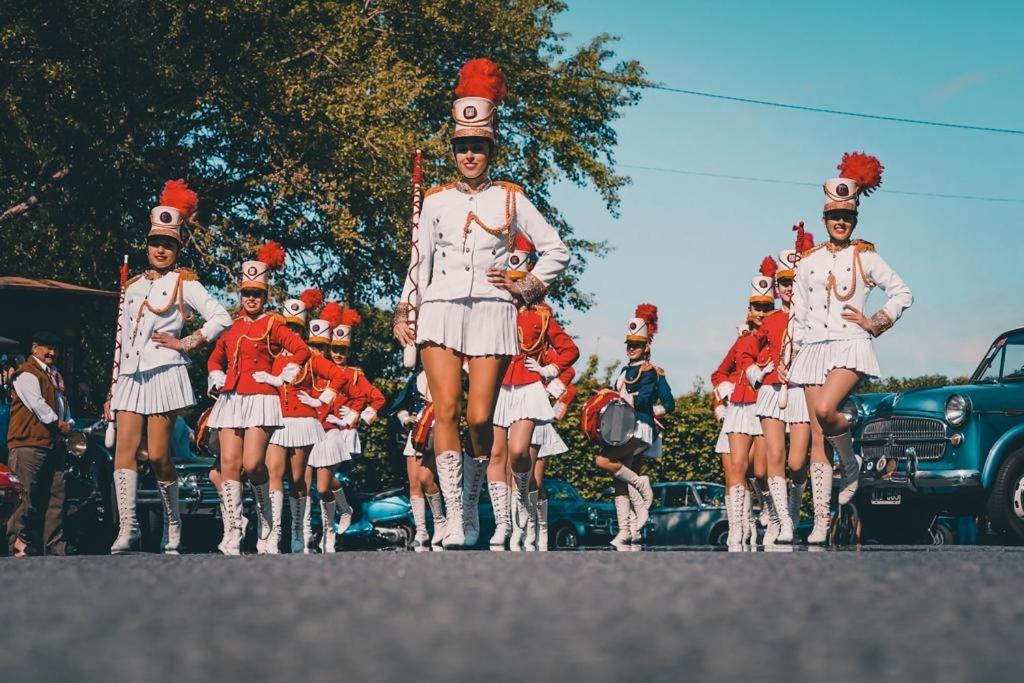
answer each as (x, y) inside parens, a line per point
(777, 181)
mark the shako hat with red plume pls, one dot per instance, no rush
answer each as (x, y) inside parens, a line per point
(790, 257)
(643, 325)
(254, 273)
(177, 204)
(481, 89)
(321, 328)
(346, 327)
(763, 285)
(297, 310)
(520, 261)
(859, 174)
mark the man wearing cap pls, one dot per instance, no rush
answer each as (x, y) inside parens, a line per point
(40, 418)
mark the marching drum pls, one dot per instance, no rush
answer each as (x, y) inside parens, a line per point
(607, 419)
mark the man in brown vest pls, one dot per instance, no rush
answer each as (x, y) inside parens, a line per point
(40, 418)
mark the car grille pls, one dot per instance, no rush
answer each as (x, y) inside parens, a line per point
(208, 491)
(892, 436)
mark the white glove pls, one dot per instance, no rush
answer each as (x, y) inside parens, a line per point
(307, 400)
(290, 372)
(335, 420)
(403, 417)
(755, 375)
(555, 388)
(266, 378)
(349, 416)
(215, 380)
(720, 412)
(659, 411)
(724, 390)
(545, 371)
(327, 396)
(369, 416)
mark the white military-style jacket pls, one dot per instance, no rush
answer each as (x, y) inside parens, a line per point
(161, 305)
(826, 282)
(453, 262)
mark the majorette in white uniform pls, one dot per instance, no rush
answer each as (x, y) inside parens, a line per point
(153, 380)
(463, 234)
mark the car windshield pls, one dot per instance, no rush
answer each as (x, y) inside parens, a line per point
(1004, 361)
(560, 491)
(711, 494)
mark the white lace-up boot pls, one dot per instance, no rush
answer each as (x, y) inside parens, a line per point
(329, 539)
(771, 532)
(622, 512)
(171, 540)
(821, 493)
(780, 501)
(449, 471)
(750, 530)
(640, 492)
(264, 522)
(273, 544)
(531, 522)
(421, 540)
(231, 494)
(440, 522)
(849, 465)
(125, 483)
(796, 499)
(521, 511)
(307, 527)
(344, 511)
(297, 506)
(473, 475)
(639, 510)
(542, 525)
(498, 491)
(737, 520)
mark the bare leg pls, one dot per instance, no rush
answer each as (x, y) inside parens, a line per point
(444, 377)
(485, 375)
(276, 460)
(129, 437)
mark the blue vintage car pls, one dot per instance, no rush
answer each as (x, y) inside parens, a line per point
(687, 513)
(956, 449)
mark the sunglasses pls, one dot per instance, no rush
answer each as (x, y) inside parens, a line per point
(785, 282)
(635, 345)
(252, 293)
(841, 215)
(763, 308)
(466, 147)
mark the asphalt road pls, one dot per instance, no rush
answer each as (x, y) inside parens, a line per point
(909, 615)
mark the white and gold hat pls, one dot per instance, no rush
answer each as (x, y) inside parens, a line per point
(319, 331)
(643, 325)
(789, 258)
(763, 286)
(297, 310)
(859, 174)
(177, 204)
(343, 331)
(481, 88)
(256, 273)
(520, 261)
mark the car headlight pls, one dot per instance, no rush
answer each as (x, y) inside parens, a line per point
(592, 514)
(77, 444)
(957, 409)
(851, 411)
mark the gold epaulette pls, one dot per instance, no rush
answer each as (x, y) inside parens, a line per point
(812, 250)
(509, 186)
(133, 280)
(275, 317)
(438, 188)
(658, 370)
(864, 245)
(187, 274)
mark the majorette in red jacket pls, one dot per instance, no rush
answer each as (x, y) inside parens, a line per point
(768, 341)
(317, 375)
(356, 393)
(728, 371)
(249, 346)
(544, 340)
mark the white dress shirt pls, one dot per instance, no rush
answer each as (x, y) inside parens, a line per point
(818, 312)
(26, 386)
(138, 322)
(453, 264)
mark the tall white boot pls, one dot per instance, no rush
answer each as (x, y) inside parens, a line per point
(344, 511)
(622, 510)
(531, 522)
(849, 465)
(231, 494)
(171, 540)
(498, 491)
(440, 521)
(750, 529)
(264, 523)
(330, 536)
(796, 499)
(449, 471)
(640, 492)
(473, 475)
(125, 483)
(774, 528)
(520, 509)
(297, 506)
(821, 493)
(421, 540)
(276, 510)
(780, 501)
(307, 527)
(737, 520)
(542, 525)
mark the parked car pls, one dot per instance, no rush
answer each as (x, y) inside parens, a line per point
(687, 513)
(572, 521)
(956, 449)
(12, 492)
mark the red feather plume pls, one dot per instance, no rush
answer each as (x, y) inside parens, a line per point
(522, 243)
(863, 169)
(311, 298)
(769, 267)
(333, 313)
(177, 194)
(804, 239)
(481, 78)
(351, 317)
(648, 313)
(271, 253)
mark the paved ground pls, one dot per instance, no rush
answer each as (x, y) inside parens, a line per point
(910, 615)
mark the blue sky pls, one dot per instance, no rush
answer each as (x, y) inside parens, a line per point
(691, 244)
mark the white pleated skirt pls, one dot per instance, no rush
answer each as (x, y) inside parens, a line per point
(241, 411)
(153, 392)
(337, 447)
(741, 418)
(548, 441)
(298, 432)
(796, 407)
(472, 327)
(526, 402)
(817, 359)
(722, 445)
